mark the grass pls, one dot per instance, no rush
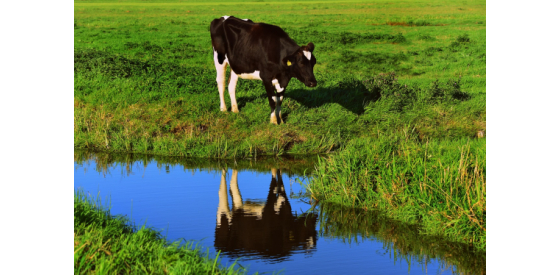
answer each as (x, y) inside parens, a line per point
(400, 107)
(145, 79)
(105, 244)
(440, 185)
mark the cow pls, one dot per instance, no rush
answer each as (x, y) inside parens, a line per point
(259, 51)
(269, 229)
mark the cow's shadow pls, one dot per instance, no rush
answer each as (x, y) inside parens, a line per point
(352, 95)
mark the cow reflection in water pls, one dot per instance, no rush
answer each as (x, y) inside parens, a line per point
(268, 229)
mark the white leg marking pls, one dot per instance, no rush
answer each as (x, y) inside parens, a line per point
(278, 204)
(221, 79)
(310, 242)
(225, 17)
(307, 54)
(273, 118)
(277, 85)
(256, 75)
(231, 89)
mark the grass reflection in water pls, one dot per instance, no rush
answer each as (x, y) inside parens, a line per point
(401, 240)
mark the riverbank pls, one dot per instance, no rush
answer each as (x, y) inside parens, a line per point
(439, 185)
(109, 244)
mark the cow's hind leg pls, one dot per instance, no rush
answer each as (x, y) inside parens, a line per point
(221, 77)
(231, 89)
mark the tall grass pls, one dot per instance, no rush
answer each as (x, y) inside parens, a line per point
(440, 184)
(105, 244)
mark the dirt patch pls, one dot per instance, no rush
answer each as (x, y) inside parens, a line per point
(412, 24)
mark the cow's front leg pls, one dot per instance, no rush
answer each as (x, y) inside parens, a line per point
(279, 98)
(271, 100)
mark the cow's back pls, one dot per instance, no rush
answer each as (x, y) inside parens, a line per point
(226, 35)
(248, 44)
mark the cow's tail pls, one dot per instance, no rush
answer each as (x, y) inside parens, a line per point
(218, 39)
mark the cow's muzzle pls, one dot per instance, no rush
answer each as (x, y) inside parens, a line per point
(311, 84)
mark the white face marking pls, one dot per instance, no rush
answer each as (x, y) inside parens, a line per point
(307, 54)
(252, 76)
(277, 85)
(225, 17)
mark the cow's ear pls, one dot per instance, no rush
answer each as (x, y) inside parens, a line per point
(310, 46)
(289, 60)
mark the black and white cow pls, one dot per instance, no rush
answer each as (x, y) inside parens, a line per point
(262, 52)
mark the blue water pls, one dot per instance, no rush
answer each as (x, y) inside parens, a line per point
(185, 204)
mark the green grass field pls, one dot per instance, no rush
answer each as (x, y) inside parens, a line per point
(145, 79)
(399, 108)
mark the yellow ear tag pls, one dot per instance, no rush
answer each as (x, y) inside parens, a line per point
(289, 63)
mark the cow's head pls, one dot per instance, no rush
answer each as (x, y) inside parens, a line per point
(301, 65)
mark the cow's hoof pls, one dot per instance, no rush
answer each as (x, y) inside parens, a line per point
(273, 120)
(223, 109)
(280, 117)
(235, 110)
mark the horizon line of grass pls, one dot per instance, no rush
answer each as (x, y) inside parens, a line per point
(106, 244)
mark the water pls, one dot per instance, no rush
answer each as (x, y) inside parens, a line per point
(257, 211)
